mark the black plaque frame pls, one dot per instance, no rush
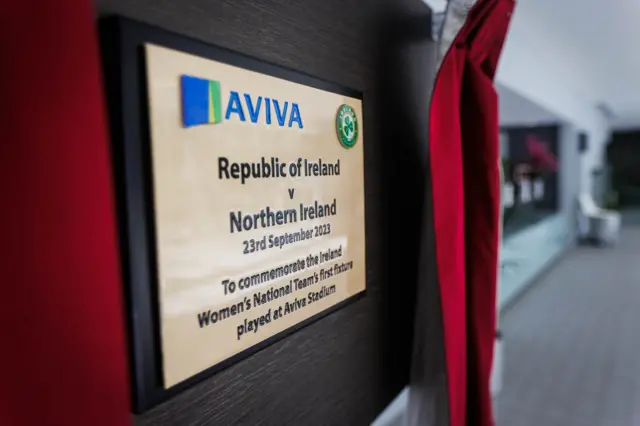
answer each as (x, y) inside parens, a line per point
(124, 71)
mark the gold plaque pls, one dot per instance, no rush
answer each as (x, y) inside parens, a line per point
(258, 187)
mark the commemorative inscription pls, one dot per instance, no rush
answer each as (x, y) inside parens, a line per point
(259, 206)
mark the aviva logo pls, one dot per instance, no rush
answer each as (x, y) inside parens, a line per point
(202, 104)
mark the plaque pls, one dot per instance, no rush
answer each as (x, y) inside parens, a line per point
(241, 193)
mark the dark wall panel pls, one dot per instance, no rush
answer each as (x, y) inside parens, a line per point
(345, 368)
(623, 157)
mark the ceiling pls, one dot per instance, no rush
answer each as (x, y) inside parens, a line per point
(603, 38)
(516, 110)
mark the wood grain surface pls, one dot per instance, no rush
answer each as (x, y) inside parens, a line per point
(200, 246)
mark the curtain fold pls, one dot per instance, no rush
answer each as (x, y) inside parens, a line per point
(464, 155)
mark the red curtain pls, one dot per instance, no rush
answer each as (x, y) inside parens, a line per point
(63, 354)
(464, 155)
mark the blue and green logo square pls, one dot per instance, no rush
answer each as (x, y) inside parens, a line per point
(201, 101)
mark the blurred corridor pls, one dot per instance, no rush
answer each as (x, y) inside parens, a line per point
(572, 347)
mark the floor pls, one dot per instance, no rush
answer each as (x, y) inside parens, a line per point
(572, 343)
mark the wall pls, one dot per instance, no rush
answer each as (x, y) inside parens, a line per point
(536, 66)
(345, 368)
(516, 110)
(570, 175)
